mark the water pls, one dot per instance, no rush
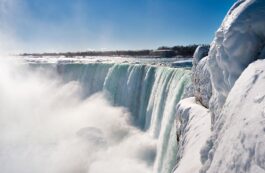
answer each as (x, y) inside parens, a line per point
(89, 117)
(149, 92)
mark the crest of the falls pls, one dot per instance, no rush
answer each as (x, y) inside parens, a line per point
(150, 93)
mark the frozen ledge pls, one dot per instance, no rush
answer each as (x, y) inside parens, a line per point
(238, 135)
(194, 128)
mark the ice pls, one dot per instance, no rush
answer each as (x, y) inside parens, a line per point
(201, 76)
(194, 128)
(200, 52)
(237, 98)
(239, 133)
(238, 42)
(202, 83)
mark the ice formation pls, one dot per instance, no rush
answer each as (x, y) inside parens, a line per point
(239, 133)
(200, 53)
(201, 76)
(193, 124)
(238, 42)
(237, 102)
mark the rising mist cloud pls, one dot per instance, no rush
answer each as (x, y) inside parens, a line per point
(46, 127)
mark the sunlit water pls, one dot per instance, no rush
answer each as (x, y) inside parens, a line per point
(89, 116)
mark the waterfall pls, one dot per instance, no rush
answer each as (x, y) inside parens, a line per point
(150, 93)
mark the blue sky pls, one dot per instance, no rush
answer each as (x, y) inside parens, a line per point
(60, 25)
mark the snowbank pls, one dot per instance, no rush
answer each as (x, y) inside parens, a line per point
(239, 138)
(193, 124)
(238, 42)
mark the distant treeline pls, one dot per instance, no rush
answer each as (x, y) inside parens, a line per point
(182, 50)
(163, 51)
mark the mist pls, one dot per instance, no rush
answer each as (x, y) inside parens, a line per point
(47, 127)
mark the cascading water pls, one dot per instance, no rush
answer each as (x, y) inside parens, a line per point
(64, 123)
(149, 92)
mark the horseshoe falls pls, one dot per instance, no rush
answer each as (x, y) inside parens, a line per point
(131, 111)
(89, 117)
(150, 93)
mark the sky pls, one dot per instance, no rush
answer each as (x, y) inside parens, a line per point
(78, 25)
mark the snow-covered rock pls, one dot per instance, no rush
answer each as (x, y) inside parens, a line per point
(239, 133)
(201, 76)
(201, 82)
(239, 41)
(194, 128)
(200, 52)
(237, 104)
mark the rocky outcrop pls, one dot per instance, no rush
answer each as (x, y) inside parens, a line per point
(200, 53)
(237, 99)
(193, 124)
(238, 42)
(238, 135)
(201, 76)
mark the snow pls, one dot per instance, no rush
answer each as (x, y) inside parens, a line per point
(238, 42)
(201, 82)
(187, 63)
(239, 133)
(193, 124)
(200, 52)
(201, 76)
(229, 137)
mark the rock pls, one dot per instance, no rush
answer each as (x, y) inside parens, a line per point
(237, 43)
(194, 128)
(238, 135)
(201, 76)
(200, 53)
